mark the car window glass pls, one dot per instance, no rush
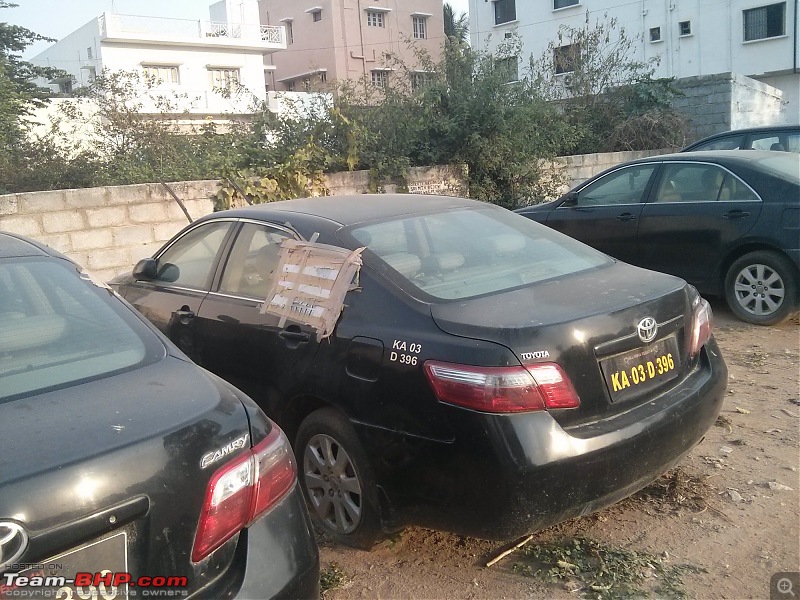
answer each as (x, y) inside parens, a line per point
(188, 261)
(58, 330)
(733, 142)
(624, 186)
(467, 253)
(700, 183)
(766, 142)
(252, 262)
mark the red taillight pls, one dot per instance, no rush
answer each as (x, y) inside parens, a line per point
(701, 326)
(502, 389)
(242, 490)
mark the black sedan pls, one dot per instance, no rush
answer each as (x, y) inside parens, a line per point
(728, 222)
(125, 468)
(483, 375)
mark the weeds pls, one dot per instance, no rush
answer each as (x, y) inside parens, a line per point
(601, 571)
(332, 577)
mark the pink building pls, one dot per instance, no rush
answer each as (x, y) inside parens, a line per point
(329, 40)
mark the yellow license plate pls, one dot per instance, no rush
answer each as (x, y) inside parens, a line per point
(638, 371)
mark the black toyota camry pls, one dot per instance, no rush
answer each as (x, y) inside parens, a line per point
(125, 469)
(482, 373)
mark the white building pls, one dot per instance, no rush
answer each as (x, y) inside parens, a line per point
(193, 61)
(754, 38)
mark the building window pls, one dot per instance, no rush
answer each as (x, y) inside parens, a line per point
(223, 78)
(505, 11)
(655, 34)
(765, 22)
(380, 79)
(316, 15)
(564, 3)
(565, 58)
(89, 53)
(420, 80)
(323, 77)
(290, 87)
(420, 27)
(508, 68)
(374, 18)
(685, 27)
(289, 32)
(162, 73)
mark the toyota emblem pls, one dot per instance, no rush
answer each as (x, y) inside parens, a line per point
(13, 542)
(647, 329)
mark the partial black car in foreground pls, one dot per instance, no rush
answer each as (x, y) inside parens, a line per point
(487, 376)
(124, 461)
(728, 222)
(778, 138)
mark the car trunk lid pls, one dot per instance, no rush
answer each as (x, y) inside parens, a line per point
(587, 323)
(124, 490)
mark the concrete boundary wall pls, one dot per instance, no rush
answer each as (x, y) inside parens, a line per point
(107, 230)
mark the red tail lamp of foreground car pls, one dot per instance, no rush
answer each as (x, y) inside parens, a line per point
(241, 491)
(502, 389)
(701, 326)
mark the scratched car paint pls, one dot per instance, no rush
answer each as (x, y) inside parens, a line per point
(469, 383)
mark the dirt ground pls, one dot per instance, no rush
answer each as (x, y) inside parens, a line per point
(718, 526)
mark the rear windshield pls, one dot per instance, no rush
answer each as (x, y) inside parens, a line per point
(783, 164)
(472, 252)
(58, 329)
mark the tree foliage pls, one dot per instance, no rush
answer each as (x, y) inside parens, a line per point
(605, 93)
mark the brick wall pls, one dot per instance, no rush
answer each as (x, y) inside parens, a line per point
(105, 229)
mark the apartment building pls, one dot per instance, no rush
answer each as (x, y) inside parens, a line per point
(331, 40)
(690, 38)
(193, 62)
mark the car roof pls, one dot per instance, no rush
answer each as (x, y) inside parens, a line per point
(351, 209)
(15, 246)
(719, 156)
(745, 131)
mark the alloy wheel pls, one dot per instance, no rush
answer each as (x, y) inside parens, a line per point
(759, 289)
(332, 484)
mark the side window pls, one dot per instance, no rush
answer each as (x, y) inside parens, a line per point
(625, 186)
(700, 183)
(252, 262)
(767, 142)
(732, 142)
(188, 261)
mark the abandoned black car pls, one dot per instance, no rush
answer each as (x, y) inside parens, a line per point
(441, 361)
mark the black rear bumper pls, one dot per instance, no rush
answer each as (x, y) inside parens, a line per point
(276, 557)
(508, 475)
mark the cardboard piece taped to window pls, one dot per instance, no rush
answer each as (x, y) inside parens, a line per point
(311, 284)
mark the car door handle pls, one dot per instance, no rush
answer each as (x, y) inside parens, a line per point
(184, 315)
(295, 336)
(736, 214)
(626, 217)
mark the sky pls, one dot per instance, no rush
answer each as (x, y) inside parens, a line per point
(59, 18)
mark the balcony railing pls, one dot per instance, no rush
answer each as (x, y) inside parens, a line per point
(112, 24)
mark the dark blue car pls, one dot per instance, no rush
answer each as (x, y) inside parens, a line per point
(728, 222)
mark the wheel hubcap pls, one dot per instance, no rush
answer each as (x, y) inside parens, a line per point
(759, 290)
(332, 484)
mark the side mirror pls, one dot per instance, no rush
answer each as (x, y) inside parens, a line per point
(145, 269)
(571, 199)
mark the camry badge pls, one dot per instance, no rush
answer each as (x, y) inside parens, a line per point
(211, 457)
(13, 542)
(647, 329)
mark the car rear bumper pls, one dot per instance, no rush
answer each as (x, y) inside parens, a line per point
(276, 557)
(508, 475)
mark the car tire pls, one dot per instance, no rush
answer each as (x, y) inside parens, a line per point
(337, 480)
(761, 288)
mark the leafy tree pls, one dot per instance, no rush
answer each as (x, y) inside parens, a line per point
(456, 28)
(605, 93)
(17, 94)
